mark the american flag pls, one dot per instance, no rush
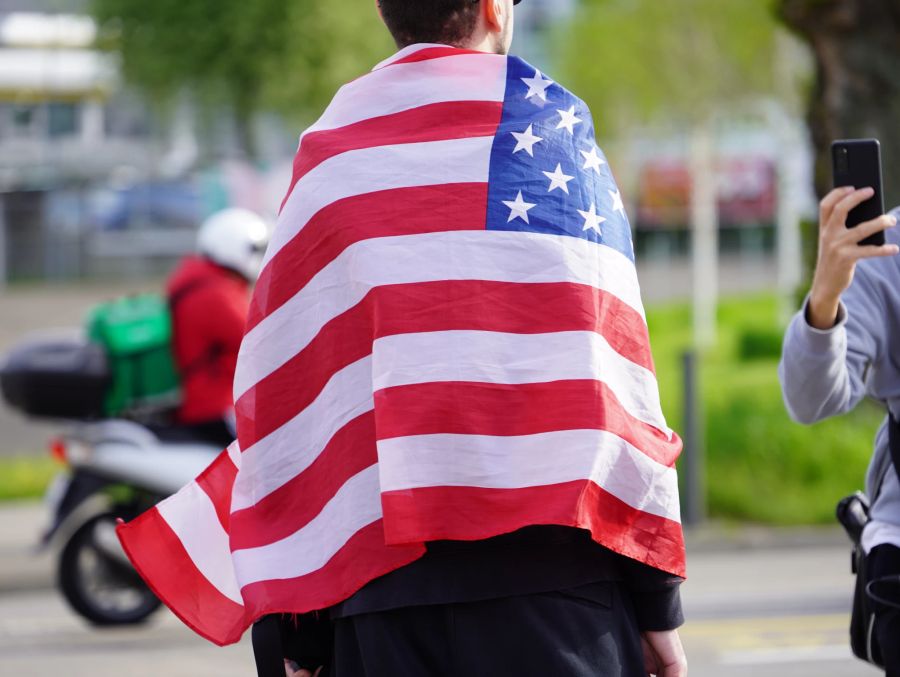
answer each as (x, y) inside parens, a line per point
(447, 341)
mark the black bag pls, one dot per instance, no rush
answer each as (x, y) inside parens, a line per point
(853, 514)
(56, 378)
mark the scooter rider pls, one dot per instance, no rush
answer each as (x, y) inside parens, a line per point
(842, 346)
(209, 294)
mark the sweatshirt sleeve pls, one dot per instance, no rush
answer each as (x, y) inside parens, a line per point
(656, 596)
(823, 372)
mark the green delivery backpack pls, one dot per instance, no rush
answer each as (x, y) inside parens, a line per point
(136, 333)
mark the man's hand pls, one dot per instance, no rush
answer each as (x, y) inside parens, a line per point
(839, 251)
(291, 669)
(663, 654)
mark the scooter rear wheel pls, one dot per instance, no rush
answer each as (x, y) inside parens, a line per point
(97, 585)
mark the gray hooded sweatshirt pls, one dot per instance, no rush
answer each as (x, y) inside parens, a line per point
(825, 373)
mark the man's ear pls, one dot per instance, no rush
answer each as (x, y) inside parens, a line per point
(493, 11)
(378, 9)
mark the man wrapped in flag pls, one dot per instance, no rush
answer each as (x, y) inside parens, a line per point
(450, 442)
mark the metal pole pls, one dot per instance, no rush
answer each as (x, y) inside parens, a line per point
(789, 244)
(704, 234)
(3, 258)
(694, 463)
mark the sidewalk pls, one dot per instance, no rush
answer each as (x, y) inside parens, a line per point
(754, 571)
(22, 567)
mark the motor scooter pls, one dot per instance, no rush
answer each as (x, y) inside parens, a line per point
(115, 469)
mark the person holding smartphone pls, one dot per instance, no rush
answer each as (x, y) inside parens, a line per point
(842, 346)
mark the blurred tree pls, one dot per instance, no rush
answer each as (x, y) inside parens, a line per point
(638, 60)
(289, 56)
(857, 88)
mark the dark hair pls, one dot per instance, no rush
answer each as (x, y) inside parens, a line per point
(448, 22)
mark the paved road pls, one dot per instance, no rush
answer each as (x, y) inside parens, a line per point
(39, 636)
(779, 609)
(758, 602)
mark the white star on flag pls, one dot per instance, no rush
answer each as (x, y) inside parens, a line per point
(558, 179)
(518, 208)
(568, 120)
(537, 86)
(592, 219)
(526, 140)
(592, 160)
(617, 204)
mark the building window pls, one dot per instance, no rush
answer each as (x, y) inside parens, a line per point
(23, 119)
(62, 119)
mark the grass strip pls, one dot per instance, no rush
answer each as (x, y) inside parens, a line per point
(25, 476)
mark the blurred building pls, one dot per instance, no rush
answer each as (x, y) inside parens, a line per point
(93, 181)
(65, 127)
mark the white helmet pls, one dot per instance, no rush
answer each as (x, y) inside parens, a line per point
(235, 239)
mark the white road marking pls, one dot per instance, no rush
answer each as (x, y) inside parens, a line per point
(796, 654)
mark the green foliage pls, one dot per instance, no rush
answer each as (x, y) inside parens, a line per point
(635, 59)
(209, 44)
(330, 44)
(266, 53)
(761, 466)
(25, 476)
(809, 237)
(756, 344)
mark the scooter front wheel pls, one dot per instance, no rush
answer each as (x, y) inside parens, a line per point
(96, 579)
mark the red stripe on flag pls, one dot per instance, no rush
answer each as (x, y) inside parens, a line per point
(363, 558)
(350, 451)
(433, 53)
(216, 482)
(436, 306)
(459, 513)
(434, 408)
(521, 409)
(400, 211)
(433, 122)
(165, 565)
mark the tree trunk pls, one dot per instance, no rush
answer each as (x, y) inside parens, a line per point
(857, 89)
(245, 98)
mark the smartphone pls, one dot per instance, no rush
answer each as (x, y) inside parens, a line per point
(857, 162)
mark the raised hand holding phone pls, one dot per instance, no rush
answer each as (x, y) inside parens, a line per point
(851, 225)
(840, 248)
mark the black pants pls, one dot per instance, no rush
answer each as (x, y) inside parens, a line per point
(884, 560)
(590, 630)
(214, 432)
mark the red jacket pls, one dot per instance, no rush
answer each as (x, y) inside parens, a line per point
(209, 308)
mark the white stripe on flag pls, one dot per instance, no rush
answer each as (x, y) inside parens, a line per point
(234, 453)
(531, 460)
(363, 171)
(192, 516)
(488, 357)
(289, 450)
(497, 357)
(356, 505)
(498, 256)
(464, 77)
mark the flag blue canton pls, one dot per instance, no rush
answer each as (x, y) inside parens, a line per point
(547, 174)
